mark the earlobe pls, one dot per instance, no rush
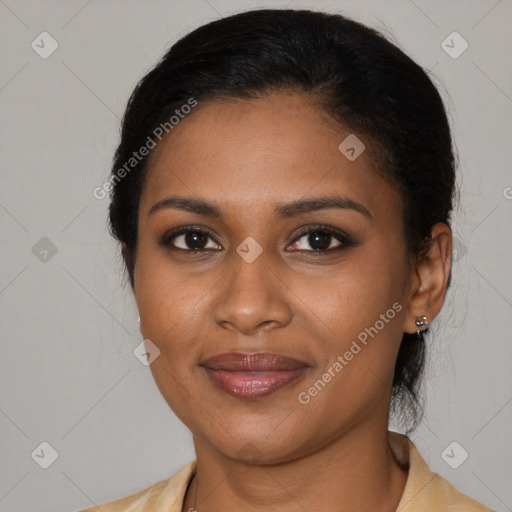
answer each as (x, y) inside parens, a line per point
(432, 276)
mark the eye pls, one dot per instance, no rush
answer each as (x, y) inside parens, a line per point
(189, 239)
(322, 240)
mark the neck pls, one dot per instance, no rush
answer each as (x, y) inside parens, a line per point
(356, 471)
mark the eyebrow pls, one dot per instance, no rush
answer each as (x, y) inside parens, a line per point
(282, 211)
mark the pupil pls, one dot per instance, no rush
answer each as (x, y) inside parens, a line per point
(319, 238)
(192, 237)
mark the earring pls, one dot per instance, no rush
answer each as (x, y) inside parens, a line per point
(421, 323)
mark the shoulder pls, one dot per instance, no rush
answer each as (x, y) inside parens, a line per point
(163, 496)
(425, 490)
(441, 495)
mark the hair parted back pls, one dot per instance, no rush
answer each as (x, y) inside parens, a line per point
(354, 74)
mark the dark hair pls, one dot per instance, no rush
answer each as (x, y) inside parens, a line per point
(353, 73)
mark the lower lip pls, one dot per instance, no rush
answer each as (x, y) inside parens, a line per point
(253, 384)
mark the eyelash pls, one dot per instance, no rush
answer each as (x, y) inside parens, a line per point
(339, 235)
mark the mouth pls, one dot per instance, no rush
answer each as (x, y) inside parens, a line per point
(253, 375)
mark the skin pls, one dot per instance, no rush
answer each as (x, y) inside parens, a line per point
(247, 157)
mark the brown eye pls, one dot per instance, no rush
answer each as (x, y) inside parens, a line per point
(321, 240)
(187, 239)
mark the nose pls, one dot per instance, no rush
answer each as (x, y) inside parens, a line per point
(252, 298)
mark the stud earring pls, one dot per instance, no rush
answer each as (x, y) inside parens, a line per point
(422, 324)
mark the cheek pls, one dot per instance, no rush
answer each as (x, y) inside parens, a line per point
(169, 302)
(356, 314)
(351, 297)
(170, 306)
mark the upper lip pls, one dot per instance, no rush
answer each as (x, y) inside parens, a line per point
(252, 362)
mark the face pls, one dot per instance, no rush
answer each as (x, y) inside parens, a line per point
(318, 293)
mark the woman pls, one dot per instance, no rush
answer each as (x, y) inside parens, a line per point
(282, 193)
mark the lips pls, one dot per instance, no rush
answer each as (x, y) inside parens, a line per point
(252, 375)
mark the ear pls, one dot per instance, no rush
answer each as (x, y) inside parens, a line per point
(430, 278)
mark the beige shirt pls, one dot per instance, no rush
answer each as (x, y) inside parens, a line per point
(424, 490)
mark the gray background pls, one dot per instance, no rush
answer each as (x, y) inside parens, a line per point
(68, 321)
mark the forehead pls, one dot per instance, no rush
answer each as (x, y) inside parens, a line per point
(261, 151)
